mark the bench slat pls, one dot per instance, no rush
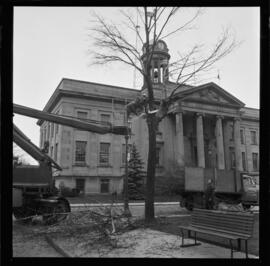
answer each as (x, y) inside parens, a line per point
(244, 231)
(205, 231)
(224, 231)
(223, 219)
(233, 213)
(216, 215)
(234, 224)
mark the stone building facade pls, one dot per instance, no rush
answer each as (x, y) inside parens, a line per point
(206, 127)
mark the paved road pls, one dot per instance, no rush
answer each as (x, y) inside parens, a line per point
(137, 209)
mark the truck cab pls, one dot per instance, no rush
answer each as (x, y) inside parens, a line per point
(250, 194)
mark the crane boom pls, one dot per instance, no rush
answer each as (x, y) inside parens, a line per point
(22, 141)
(68, 121)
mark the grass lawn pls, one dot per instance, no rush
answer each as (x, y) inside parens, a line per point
(170, 225)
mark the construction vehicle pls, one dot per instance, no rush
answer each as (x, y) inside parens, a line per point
(229, 186)
(34, 192)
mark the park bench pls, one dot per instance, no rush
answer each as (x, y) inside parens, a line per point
(230, 225)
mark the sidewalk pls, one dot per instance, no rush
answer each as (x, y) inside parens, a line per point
(148, 243)
(74, 205)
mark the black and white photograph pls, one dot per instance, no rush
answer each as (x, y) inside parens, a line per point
(136, 132)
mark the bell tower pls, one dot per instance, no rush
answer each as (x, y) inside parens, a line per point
(159, 65)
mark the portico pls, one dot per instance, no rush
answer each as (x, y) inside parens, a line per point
(207, 124)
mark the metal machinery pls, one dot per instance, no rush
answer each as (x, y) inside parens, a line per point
(34, 192)
(230, 186)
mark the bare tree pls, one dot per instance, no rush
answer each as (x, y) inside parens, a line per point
(113, 46)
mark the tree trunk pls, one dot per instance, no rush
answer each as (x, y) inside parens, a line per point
(151, 169)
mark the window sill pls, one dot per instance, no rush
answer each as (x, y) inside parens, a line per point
(104, 166)
(80, 165)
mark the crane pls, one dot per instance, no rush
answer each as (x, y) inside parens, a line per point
(34, 192)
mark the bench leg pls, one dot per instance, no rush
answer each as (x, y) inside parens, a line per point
(231, 245)
(182, 233)
(189, 236)
(239, 244)
(246, 248)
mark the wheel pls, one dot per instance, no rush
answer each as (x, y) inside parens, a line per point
(56, 213)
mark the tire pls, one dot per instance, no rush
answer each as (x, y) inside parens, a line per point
(57, 212)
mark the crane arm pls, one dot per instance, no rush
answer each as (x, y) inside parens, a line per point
(67, 121)
(22, 141)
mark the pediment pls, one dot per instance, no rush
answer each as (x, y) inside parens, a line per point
(212, 94)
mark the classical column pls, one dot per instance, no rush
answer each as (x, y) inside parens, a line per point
(220, 143)
(237, 144)
(200, 140)
(179, 139)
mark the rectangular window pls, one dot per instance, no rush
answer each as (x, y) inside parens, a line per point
(232, 157)
(105, 118)
(124, 153)
(231, 132)
(52, 129)
(255, 161)
(80, 151)
(55, 152)
(56, 125)
(105, 185)
(81, 115)
(253, 137)
(52, 152)
(80, 185)
(104, 153)
(158, 156)
(49, 130)
(242, 137)
(244, 161)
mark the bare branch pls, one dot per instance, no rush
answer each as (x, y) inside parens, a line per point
(185, 26)
(220, 50)
(110, 38)
(134, 25)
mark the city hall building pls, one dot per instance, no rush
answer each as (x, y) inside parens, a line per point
(206, 127)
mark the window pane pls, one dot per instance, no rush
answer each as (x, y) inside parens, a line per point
(80, 184)
(104, 153)
(52, 129)
(158, 156)
(255, 161)
(232, 132)
(105, 118)
(55, 152)
(105, 186)
(253, 137)
(242, 136)
(244, 160)
(82, 115)
(80, 151)
(232, 157)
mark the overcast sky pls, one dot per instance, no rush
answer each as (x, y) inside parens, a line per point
(51, 43)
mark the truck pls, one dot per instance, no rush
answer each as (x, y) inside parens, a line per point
(229, 186)
(34, 193)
